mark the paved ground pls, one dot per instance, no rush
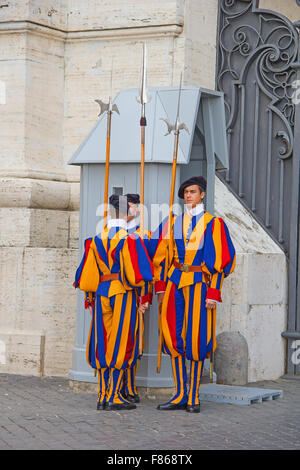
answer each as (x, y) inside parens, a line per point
(43, 413)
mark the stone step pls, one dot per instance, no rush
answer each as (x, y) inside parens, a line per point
(237, 395)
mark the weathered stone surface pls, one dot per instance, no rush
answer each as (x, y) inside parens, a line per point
(200, 44)
(267, 279)
(36, 228)
(257, 289)
(231, 359)
(260, 321)
(264, 324)
(41, 299)
(55, 61)
(74, 230)
(23, 352)
(248, 235)
(288, 8)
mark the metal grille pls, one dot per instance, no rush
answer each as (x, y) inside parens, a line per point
(258, 69)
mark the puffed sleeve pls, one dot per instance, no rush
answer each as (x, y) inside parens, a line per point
(90, 276)
(89, 296)
(219, 256)
(158, 252)
(136, 265)
(145, 292)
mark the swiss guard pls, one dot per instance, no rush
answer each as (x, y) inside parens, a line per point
(145, 294)
(188, 281)
(114, 266)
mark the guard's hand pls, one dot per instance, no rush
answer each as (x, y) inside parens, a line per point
(91, 310)
(143, 307)
(210, 304)
(160, 297)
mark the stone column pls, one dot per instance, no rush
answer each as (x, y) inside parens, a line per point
(37, 307)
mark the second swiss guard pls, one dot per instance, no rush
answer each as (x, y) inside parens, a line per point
(145, 295)
(114, 266)
(188, 280)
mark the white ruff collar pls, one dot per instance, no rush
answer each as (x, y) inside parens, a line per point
(194, 210)
(132, 224)
(117, 223)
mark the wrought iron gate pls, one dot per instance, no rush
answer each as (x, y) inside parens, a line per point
(258, 70)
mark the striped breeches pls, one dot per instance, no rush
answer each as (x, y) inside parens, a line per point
(113, 331)
(186, 392)
(188, 326)
(129, 386)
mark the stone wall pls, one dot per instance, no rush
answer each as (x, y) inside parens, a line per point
(56, 59)
(255, 295)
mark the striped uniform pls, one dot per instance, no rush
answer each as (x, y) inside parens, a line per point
(145, 295)
(188, 327)
(114, 326)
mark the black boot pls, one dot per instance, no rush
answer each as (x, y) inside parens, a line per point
(101, 405)
(193, 408)
(115, 401)
(133, 398)
(171, 406)
(179, 374)
(120, 406)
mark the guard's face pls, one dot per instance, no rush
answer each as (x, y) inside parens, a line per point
(193, 195)
(134, 210)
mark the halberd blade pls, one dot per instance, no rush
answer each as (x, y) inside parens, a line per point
(171, 126)
(103, 107)
(177, 126)
(143, 97)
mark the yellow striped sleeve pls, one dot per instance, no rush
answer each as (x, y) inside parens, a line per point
(89, 280)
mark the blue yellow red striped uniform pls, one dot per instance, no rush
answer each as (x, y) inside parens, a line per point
(188, 326)
(114, 325)
(145, 294)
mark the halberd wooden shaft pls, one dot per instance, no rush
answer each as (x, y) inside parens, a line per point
(160, 340)
(169, 249)
(142, 178)
(143, 99)
(143, 124)
(169, 241)
(107, 167)
(211, 357)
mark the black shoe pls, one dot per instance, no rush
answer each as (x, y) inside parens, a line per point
(101, 405)
(171, 406)
(120, 406)
(133, 398)
(193, 408)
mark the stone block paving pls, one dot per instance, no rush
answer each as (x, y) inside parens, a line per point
(44, 413)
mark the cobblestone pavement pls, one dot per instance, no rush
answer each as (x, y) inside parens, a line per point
(44, 413)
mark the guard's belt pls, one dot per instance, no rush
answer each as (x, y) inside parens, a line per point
(186, 268)
(109, 277)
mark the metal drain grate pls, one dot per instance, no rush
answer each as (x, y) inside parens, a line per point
(237, 395)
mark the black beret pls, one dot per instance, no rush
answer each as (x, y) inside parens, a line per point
(120, 203)
(134, 198)
(198, 180)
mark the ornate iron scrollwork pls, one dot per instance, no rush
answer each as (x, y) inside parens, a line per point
(256, 70)
(269, 40)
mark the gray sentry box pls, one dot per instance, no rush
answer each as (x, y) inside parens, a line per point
(200, 152)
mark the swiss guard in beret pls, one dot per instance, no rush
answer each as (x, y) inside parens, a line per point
(145, 294)
(201, 254)
(114, 266)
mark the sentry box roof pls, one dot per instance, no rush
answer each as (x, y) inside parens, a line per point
(201, 110)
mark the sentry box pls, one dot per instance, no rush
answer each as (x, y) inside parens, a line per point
(202, 151)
